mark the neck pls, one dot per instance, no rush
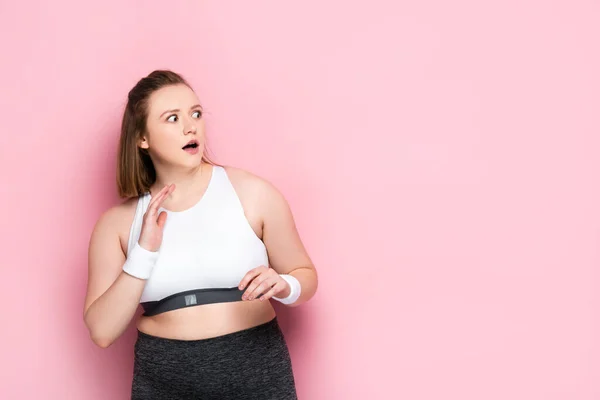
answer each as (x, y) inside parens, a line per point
(186, 181)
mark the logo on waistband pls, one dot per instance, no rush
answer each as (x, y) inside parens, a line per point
(190, 299)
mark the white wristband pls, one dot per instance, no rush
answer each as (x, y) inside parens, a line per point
(140, 262)
(295, 291)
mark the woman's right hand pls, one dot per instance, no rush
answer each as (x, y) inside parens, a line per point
(152, 224)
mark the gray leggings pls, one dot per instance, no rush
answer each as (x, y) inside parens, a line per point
(250, 364)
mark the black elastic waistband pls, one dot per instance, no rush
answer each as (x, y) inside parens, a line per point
(192, 298)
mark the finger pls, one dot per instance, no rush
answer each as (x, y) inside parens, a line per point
(164, 196)
(262, 285)
(250, 275)
(152, 207)
(253, 278)
(160, 193)
(279, 286)
(162, 218)
(252, 286)
(160, 196)
(159, 200)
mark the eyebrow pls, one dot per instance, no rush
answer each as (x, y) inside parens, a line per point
(177, 110)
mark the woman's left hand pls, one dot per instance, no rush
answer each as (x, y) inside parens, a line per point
(261, 279)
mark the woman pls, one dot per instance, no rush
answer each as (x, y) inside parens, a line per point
(203, 248)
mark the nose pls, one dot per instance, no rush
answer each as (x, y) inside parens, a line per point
(190, 127)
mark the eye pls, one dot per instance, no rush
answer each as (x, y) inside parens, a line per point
(172, 118)
(197, 114)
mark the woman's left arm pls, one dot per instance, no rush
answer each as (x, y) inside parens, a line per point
(288, 259)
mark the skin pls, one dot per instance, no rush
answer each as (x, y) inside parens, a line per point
(113, 296)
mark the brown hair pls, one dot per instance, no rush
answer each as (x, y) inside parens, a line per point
(135, 170)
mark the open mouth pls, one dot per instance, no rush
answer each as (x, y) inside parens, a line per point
(192, 144)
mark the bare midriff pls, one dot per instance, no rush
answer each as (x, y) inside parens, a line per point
(207, 320)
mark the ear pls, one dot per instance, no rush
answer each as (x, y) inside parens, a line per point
(143, 142)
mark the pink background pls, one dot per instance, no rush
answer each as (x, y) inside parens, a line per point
(441, 159)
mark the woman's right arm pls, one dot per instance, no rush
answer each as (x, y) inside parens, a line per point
(113, 295)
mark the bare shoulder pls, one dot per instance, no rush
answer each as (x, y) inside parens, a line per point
(118, 215)
(252, 186)
(254, 189)
(115, 222)
(259, 197)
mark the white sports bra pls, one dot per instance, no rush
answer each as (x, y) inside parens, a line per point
(206, 248)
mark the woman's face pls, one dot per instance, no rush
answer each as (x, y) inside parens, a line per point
(175, 127)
